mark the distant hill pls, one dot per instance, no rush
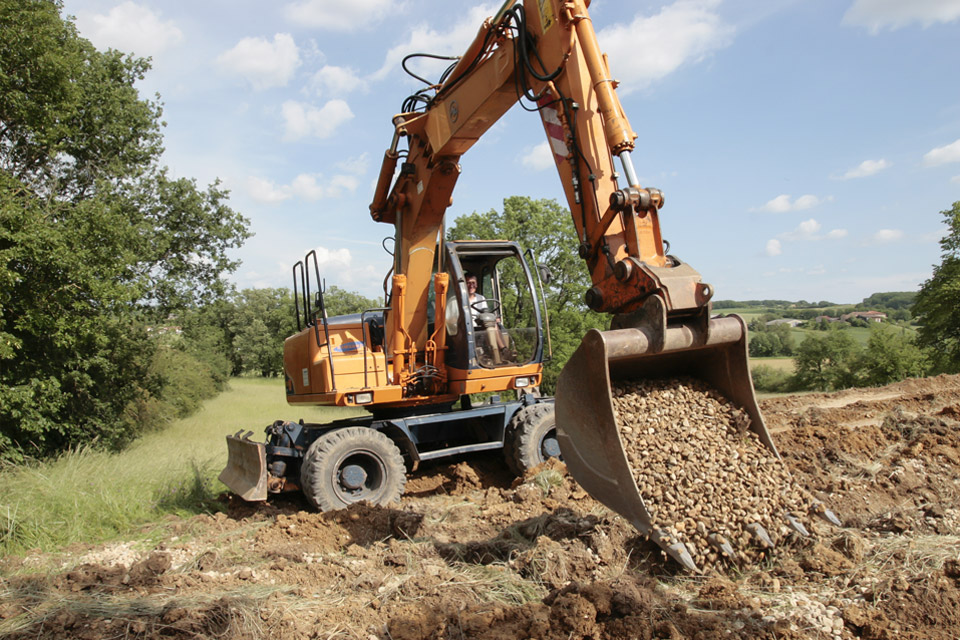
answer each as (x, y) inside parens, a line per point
(773, 304)
(891, 300)
(885, 301)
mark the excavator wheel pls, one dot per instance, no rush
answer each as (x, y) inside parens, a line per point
(349, 465)
(531, 437)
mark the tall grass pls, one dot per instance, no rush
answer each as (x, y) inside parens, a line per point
(89, 496)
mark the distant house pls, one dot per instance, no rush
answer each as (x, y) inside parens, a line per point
(826, 319)
(793, 322)
(869, 316)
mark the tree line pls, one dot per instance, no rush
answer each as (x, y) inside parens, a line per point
(97, 241)
(834, 360)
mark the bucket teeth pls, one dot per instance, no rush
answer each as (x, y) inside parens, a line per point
(760, 535)
(676, 550)
(797, 526)
(721, 544)
(821, 510)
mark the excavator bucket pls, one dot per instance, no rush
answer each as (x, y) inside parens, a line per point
(589, 438)
(246, 470)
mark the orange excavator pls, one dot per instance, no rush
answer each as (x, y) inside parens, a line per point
(417, 363)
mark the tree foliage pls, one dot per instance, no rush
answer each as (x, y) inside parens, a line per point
(939, 299)
(261, 320)
(770, 340)
(826, 362)
(890, 356)
(96, 239)
(889, 301)
(546, 228)
(340, 302)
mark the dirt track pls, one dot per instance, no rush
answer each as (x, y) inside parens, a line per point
(469, 554)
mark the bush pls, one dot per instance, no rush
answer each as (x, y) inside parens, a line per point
(175, 385)
(770, 379)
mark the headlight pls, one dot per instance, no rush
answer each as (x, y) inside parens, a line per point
(519, 383)
(363, 398)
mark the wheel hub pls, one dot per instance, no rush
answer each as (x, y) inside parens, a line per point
(550, 446)
(353, 476)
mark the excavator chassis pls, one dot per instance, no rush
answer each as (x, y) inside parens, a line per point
(714, 352)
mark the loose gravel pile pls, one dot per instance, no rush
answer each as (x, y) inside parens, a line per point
(701, 471)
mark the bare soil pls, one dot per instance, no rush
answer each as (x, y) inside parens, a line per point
(471, 553)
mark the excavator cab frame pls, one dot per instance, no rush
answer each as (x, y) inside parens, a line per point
(515, 334)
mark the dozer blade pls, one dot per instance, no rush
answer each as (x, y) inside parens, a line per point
(246, 470)
(587, 429)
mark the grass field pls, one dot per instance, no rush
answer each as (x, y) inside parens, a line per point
(780, 364)
(90, 496)
(747, 313)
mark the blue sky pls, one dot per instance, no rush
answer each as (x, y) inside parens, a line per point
(805, 148)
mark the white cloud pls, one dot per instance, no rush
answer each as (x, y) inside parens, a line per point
(887, 235)
(774, 248)
(806, 202)
(339, 256)
(955, 179)
(302, 120)
(263, 63)
(337, 80)
(311, 187)
(130, 27)
(451, 40)
(306, 186)
(780, 204)
(687, 31)
(809, 230)
(340, 16)
(942, 155)
(539, 157)
(866, 168)
(783, 204)
(265, 191)
(355, 166)
(876, 15)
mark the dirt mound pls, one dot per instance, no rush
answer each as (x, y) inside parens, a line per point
(468, 553)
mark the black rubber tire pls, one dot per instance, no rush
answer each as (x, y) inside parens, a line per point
(531, 437)
(349, 465)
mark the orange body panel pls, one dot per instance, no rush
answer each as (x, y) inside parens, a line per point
(308, 366)
(467, 381)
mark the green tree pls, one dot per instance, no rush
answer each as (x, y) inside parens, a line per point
(826, 362)
(341, 302)
(770, 340)
(96, 240)
(890, 356)
(262, 320)
(546, 228)
(889, 300)
(208, 336)
(939, 299)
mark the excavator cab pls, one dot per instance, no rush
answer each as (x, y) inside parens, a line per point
(493, 315)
